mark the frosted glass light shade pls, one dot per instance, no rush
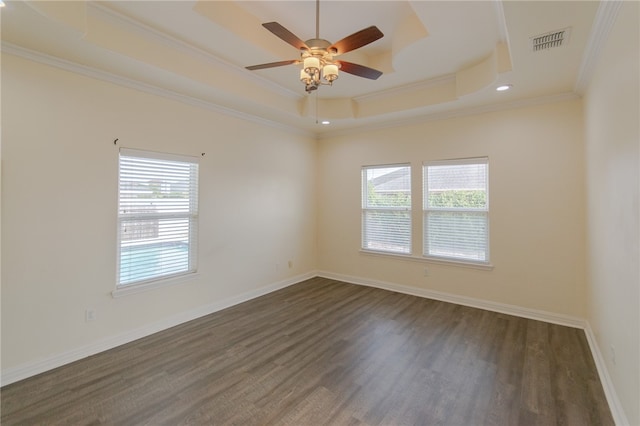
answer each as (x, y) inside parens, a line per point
(330, 72)
(311, 64)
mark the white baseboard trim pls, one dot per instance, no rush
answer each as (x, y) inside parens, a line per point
(503, 308)
(617, 411)
(619, 417)
(30, 369)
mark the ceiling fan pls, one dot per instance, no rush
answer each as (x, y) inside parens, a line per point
(317, 55)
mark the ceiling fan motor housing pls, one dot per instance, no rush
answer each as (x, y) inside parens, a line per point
(320, 46)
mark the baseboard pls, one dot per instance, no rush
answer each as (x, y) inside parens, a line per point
(488, 305)
(33, 368)
(619, 417)
(30, 369)
(617, 411)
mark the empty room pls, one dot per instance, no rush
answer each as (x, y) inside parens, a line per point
(320, 212)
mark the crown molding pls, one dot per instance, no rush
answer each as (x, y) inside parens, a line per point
(502, 21)
(602, 24)
(108, 77)
(151, 33)
(94, 73)
(445, 115)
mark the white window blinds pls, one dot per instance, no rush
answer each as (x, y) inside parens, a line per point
(456, 209)
(157, 216)
(386, 208)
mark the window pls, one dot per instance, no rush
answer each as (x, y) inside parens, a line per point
(386, 208)
(456, 210)
(157, 216)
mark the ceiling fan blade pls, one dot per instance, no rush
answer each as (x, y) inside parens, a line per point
(272, 65)
(356, 40)
(359, 70)
(285, 35)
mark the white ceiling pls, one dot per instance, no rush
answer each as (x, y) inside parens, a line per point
(438, 57)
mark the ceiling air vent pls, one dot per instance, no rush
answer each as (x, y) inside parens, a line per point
(550, 40)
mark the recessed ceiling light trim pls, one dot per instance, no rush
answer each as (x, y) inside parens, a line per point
(504, 87)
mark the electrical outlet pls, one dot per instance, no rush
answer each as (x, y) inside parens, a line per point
(426, 272)
(290, 264)
(90, 315)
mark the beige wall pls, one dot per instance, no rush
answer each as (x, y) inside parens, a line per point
(536, 204)
(59, 170)
(59, 195)
(613, 194)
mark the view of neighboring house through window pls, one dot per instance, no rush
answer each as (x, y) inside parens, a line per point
(386, 208)
(157, 216)
(456, 210)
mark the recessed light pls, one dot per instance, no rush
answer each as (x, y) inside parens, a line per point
(504, 87)
(325, 122)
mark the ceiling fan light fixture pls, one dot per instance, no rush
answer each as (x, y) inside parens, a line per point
(311, 64)
(317, 54)
(330, 72)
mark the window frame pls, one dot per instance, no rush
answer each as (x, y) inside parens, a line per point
(483, 211)
(191, 216)
(365, 209)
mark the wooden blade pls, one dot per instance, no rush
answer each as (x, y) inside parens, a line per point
(272, 65)
(359, 70)
(286, 35)
(356, 40)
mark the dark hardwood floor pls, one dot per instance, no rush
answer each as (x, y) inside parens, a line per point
(325, 352)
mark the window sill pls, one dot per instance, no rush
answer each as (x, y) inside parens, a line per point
(436, 260)
(152, 285)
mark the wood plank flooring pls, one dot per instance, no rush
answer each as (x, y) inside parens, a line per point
(324, 352)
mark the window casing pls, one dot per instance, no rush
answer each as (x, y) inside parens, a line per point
(386, 208)
(456, 210)
(157, 216)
